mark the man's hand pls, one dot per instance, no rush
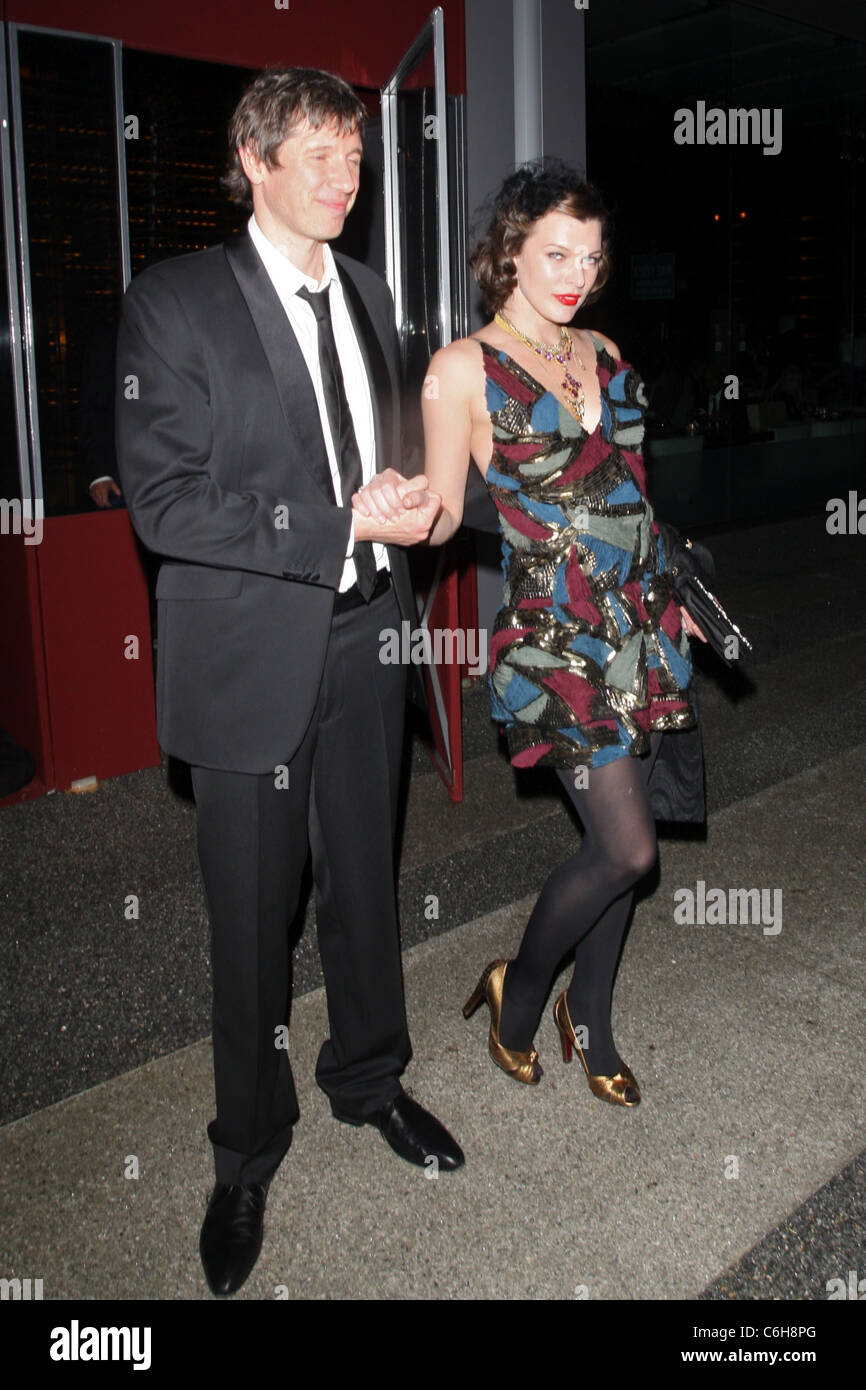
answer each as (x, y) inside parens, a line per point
(412, 526)
(101, 492)
(388, 495)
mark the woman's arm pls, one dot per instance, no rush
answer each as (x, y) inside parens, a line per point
(446, 408)
(450, 386)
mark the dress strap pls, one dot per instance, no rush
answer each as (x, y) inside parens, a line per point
(488, 352)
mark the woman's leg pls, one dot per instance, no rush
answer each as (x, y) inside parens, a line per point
(586, 902)
(595, 960)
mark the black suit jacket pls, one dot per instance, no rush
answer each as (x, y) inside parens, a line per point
(218, 433)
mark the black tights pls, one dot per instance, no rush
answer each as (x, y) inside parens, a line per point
(585, 904)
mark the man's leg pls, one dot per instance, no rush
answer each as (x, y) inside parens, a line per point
(252, 842)
(353, 806)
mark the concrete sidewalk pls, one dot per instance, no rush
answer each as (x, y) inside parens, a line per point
(747, 1045)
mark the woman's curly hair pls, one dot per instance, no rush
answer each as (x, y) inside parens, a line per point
(541, 186)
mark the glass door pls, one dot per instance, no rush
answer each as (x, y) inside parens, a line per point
(416, 135)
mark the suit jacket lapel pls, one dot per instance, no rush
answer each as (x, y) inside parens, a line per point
(286, 361)
(378, 375)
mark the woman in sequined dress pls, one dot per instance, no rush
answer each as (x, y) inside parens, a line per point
(589, 654)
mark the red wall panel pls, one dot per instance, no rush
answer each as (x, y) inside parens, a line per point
(362, 41)
(93, 598)
(23, 690)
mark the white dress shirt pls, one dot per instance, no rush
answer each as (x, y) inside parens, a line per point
(287, 279)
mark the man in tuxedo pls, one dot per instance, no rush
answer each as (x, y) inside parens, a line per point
(258, 389)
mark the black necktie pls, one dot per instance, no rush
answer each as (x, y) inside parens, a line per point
(342, 429)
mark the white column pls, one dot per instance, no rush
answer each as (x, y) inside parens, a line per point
(528, 129)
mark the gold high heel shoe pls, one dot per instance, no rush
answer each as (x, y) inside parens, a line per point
(621, 1089)
(523, 1066)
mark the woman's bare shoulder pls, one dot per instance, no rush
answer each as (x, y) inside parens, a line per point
(460, 351)
(457, 363)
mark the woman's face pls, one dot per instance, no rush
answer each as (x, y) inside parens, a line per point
(557, 266)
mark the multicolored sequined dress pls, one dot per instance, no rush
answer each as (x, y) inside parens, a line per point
(588, 653)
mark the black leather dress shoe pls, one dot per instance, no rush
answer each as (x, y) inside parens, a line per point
(416, 1135)
(231, 1235)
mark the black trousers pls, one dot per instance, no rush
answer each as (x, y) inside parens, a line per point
(254, 836)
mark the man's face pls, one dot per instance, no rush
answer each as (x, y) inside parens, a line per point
(311, 191)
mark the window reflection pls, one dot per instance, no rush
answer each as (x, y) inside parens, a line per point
(756, 336)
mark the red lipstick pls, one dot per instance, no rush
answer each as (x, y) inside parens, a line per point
(567, 298)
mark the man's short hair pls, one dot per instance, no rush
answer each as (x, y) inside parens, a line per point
(273, 105)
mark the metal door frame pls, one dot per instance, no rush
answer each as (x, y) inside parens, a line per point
(10, 238)
(433, 33)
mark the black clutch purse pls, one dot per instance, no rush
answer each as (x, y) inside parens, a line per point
(691, 569)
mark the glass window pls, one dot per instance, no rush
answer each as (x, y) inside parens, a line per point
(70, 175)
(177, 112)
(731, 144)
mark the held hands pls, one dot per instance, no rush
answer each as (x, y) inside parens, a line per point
(395, 510)
(690, 625)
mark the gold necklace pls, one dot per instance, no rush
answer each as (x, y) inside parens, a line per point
(563, 354)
